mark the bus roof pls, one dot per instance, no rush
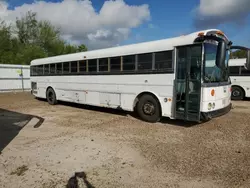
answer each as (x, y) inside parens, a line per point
(237, 62)
(146, 47)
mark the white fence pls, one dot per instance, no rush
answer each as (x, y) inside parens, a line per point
(14, 77)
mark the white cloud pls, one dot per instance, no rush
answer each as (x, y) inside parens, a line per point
(211, 13)
(79, 22)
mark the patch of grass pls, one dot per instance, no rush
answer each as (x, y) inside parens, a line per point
(20, 170)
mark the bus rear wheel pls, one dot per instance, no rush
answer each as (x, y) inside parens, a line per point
(148, 109)
(51, 96)
(237, 93)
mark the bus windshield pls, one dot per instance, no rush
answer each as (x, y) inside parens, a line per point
(212, 73)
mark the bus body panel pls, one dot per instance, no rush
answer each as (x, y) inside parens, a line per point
(240, 79)
(221, 98)
(243, 82)
(112, 91)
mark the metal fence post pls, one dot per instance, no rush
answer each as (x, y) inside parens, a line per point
(22, 78)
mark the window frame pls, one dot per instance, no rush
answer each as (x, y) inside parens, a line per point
(128, 64)
(166, 60)
(145, 62)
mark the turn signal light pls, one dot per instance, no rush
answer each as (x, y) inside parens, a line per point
(201, 34)
(220, 33)
(212, 92)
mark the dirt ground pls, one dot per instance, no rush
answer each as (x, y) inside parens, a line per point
(42, 146)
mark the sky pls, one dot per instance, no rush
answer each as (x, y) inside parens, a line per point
(101, 24)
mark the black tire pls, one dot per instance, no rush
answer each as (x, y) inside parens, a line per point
(51, 96)
(148, 108)
(237, 93)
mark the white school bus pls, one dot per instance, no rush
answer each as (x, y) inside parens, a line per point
(184, 77)
(240, 75)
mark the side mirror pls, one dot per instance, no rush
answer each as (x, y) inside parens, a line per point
(221, 54)
(248, 60)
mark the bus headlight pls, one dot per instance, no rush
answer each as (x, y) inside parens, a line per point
(213, 105)
(209, 106)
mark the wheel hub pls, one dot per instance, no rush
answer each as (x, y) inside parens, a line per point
(149, 108)
(236, 93)
(50, 96)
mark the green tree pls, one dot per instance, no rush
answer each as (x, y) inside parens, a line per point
(82, 48)
(49, 39)
(238, 54)
(28, 53)
(30, 39)
(27, 28)
(6, 44)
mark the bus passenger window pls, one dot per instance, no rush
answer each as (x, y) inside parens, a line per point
(92, 65)
(65, 67)
(115, 64)
(82, 66)
(145, 61)
(163, 60)
(40, 70)
(34, 70)
(52, 68)
(129, 63)
(244, 71)
(46, 69)
(73, 67)
(234, 70)
(59, 68)
(103, 65)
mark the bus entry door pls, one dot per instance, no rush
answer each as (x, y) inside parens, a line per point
(188, 82)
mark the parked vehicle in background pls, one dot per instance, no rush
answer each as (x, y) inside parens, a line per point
(181, 78)
(240, 76)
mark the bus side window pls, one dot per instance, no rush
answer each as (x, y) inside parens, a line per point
(82, 66)
(163, 60)
(129, 63)
(33, 70)
(59, 68)
(65, 67)
(46, 69)
(73, 66)
(52, 68)
(234, 70)
(40, 70)
(244, 72)
(145, 61)
(103, 64)
(115, 64)
(92, 65)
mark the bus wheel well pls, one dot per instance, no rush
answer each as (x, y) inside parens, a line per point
(51, 96)
(145, 93)
(49, 88)
(237, 86)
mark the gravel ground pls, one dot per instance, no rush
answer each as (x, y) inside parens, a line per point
(43, 146)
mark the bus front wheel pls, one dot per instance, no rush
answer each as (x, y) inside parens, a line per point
(237, 93)
(51, 96)
(148, 108)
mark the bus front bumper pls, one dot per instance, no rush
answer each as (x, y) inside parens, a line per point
(209, 115)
